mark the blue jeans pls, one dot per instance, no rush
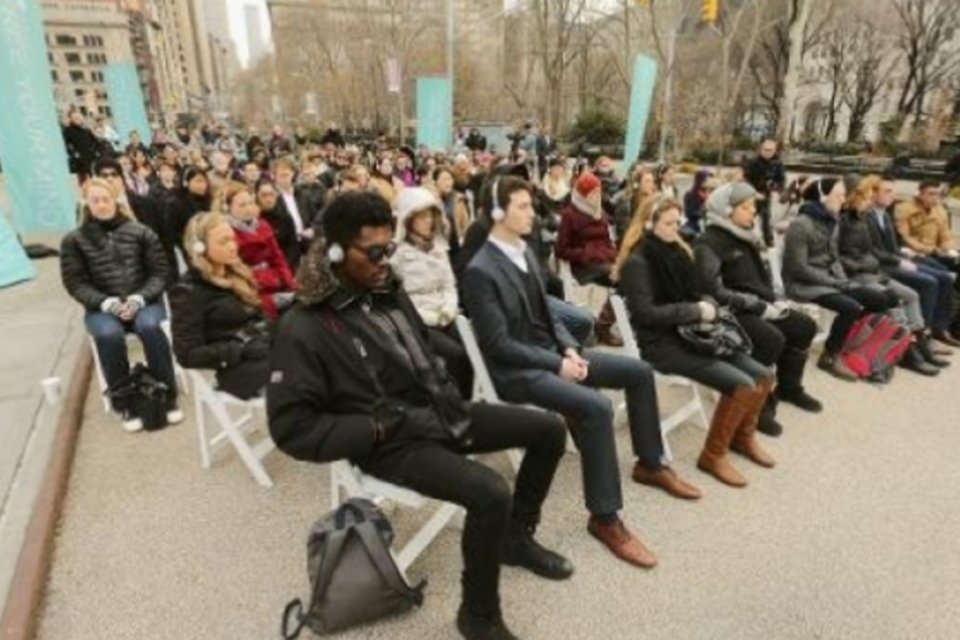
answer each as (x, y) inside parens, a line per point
(110, 336)
(579, 322)
(592, 416)
(935, 287)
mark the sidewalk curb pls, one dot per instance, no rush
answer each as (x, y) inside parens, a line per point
(19, 619)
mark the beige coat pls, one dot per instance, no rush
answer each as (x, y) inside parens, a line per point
(924, 232)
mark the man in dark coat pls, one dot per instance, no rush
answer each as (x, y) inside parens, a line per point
(765, 172)
(353, 376)
(82, 146)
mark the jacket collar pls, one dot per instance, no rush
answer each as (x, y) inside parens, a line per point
(320, 285)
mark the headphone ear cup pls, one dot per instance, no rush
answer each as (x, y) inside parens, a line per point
(335, 253)
(198, 248)
(497, 214)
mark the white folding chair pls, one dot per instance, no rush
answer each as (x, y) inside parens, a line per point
(218, 403)
(348, 481)
(483, 389)
(692, 408)
(590, 296)
(131, 338)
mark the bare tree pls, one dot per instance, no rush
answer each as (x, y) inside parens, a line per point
(555, 27)
(868, 69)
(798, 16)
(838, 45)
(924, 42)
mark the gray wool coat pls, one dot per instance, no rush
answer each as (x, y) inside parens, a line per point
(811, 263)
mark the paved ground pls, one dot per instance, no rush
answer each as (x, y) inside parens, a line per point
(853, 536)
(40, 334)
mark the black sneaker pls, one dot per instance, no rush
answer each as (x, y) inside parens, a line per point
(521, 550)
(473, 626)
(801, 399)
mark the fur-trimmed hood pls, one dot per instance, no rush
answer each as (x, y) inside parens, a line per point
(320, 285)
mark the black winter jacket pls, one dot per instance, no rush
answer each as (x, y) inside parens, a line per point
(331, 370)
(653, 320)
(857, 254)
(886, 245)
(98, 261)
(732, 271)
(214, 329)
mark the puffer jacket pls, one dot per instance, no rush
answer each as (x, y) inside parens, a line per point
(120, 259)
(428, 279)
(857, 253)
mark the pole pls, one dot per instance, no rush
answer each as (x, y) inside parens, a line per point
(667, 96)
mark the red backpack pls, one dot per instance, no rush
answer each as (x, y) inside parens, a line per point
(874, 346)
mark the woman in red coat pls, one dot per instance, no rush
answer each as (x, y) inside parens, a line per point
(584, 240)
(258, 248)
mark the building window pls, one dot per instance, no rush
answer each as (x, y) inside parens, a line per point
(65, 40)
(107, 111)
(96, 76)
(77, 76)
(80, 93)
(72, 58)
(54, 76)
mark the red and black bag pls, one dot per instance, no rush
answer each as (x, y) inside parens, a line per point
(874, 346)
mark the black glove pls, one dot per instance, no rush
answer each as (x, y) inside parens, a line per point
(255, 350)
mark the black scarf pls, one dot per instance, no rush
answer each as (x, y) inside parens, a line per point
(672, 267)
(818, 211)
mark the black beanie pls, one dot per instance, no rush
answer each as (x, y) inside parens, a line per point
(190, 173)
(107, 163)
(817, 190)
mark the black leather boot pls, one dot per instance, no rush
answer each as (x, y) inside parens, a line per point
(475, 626)
(767, 423)
(925, 349)
(913, 361)
(790, 381)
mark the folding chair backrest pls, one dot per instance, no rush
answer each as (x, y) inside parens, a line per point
(570, 285)
(483, 389)
(623, 322)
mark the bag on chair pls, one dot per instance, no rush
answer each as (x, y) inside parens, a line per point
(353, 577)
(144, 395)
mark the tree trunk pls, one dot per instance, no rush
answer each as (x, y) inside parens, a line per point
(800, 14)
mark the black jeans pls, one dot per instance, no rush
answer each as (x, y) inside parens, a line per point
(725, 374)
(849, 306)
(436, 471)
(592, 415)
(766, 224)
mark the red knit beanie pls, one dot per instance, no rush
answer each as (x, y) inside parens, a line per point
(586, 183)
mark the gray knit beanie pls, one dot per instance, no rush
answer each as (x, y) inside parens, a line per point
(727, 197)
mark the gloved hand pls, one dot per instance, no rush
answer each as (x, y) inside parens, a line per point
(111, 305)
(283, 300)
(255, 350)
(708, 312)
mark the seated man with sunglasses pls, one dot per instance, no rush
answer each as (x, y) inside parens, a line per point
(353, 376)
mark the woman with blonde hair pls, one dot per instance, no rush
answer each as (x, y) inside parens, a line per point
(115, 267)
(217, 320)
(627, 204)
(658, 281)
(257, 247)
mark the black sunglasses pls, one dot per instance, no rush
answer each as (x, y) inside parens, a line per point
(376, 253)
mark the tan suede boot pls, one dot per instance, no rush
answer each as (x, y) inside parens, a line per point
(745, 439)
(727, 418)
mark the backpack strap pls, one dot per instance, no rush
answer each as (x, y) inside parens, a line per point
(386, 565)
(295, 608)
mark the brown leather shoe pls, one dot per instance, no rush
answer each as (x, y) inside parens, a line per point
(667, 479)
(622, 543)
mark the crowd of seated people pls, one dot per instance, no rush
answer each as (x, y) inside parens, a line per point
(330, 284)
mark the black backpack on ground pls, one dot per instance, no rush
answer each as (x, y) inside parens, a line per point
(353, 577)
(143, 395)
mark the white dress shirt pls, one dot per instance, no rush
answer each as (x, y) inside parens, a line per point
(291, 202)
(516, 253)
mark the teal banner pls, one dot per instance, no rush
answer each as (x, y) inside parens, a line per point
(15, 266)
(641, 97)
(32, 150)
(434, 113)
(126, 100)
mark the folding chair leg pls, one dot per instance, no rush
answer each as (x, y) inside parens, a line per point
(242, 447)
(426, 535)
(200, 417)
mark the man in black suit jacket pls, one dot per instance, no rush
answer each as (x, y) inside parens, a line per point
(533, 359)
(932, 281)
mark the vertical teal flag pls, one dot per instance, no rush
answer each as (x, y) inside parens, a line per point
(126, 100)
(31, 143)
(14, 264)
(641, 96)
(434, 113)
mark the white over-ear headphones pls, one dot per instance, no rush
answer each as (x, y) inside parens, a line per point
(335, 253)
(496, 213)
(198, 248)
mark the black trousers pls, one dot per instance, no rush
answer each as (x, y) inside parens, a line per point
(766, 224)
(849, 306)
(446, 344)
(783, 342)
(440, 472)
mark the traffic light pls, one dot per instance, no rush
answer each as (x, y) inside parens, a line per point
(710, 10)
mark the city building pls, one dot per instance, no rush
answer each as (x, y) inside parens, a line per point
(255, 40)
(82, 36)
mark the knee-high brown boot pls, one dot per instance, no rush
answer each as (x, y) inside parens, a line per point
(605, 327)
(727, 418)
(745, 439)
